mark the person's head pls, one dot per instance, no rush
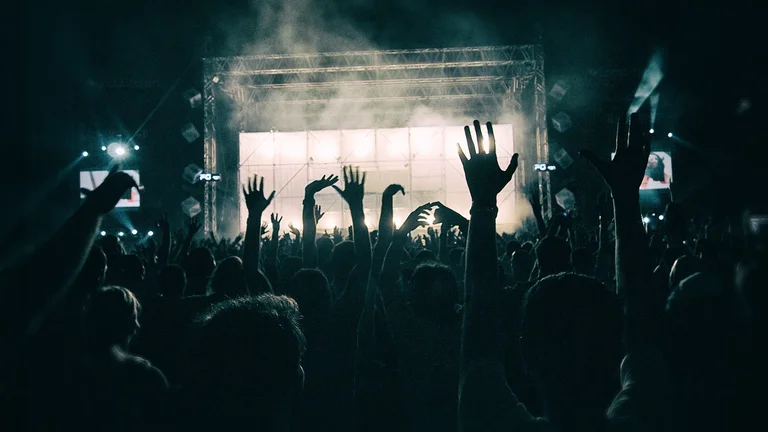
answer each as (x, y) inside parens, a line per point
(522, 265)
(111, 317)
(685, 266)
(228, 279)
(553, 255)
(310, 289)
(512, 247)
(527, 246)
(671, 254)
(706, 250)
(111, 245)
(198, 265)
(133, 270)
(324, 249)
(456, 257)
(434, 293)
(94, 271)
(655, 167)
(571, 339)
(424, 255)
(172, 281)
(244, 360)
(343, 260)
(751, 279)
(583, 261)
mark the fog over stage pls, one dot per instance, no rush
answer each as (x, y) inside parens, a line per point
(423, 160)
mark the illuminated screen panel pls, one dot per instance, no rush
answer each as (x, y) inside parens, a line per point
(92, 179)
(658, 172)
(422, 159)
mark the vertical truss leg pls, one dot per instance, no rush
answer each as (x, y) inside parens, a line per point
(540, 122)
(209, 144)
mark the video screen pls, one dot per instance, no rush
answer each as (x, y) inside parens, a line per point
(92, 179)
(658, 172)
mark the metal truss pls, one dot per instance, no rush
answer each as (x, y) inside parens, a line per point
(480, 82)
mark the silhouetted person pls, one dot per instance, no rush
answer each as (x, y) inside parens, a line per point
(553, 255)
(583, 261)
(172, 282)
(228, 279)
(342, 262)
(198, 265)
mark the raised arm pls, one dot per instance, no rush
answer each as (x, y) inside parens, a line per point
(164, 251)
(29, 294)
(481, 368)
(257, 203)
(353, 194)
(386, 226)
(193, 227)
(533, 198)
(309, 240)
(270, 263)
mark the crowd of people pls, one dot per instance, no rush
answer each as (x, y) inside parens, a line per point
(456, 328)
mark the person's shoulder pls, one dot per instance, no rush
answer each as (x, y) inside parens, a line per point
(143, 370)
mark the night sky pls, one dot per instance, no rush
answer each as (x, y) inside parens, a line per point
(66, 52)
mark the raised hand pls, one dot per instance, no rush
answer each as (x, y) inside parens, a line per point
(354, 187)
(484, 177)
(237, 239)
(255, 199)
(625, 172)
(264, 228)
(393, 189)
(163, 224)
(295, 231)
(338, 237)
(105, 197)
(276, 219)
(193, 226)
(446, 215)
(318, 213)
(416, 219)
(532, 193)
(318, 185)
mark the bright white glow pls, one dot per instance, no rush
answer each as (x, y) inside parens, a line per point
(646, 219)
(669, 134)
(150, 233)
(136, 147)
(85, 154)
(103, 148)
(134, 232)
(430, 220)
(121, 234)
(661, 217)
(120, 151)
(651, 131)
(398, 222)
(103, 233)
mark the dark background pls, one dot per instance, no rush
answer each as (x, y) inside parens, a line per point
(87, 70)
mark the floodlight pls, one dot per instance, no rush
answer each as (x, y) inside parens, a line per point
(103, 233)
(150, 233)
(134, 231)
(136, 147)
(651, 131)
(661, 217)
(669, 135)
(85, 154)
(120, 234)
(646, 219)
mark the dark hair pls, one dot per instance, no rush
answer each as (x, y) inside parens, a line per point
(527, 246)
(228, 279)
(434, 292)
(683, 267)
(513, 246)
(583, 261)
(111, 316)
(553, 255)
(199, 266)
(572, 327)
(310, 289)
(288, 269)
(172, 281)
(246, 352)
(656, 173)
(343, 259)
(424, 255)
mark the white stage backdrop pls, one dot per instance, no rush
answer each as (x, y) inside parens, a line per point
(422, 159)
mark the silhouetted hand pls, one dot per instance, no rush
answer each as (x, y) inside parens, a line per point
(193, 227)
(255, 200)
(318, 213)
(295, 231)
(431, 232)
(237, 239)
(532, 193)
(105, 197)
(274, 217)
(338, 237)
(163, 224)
(393, 189)
(416, 219)
(446, 215)
(264, 228)
(318, 185)
(625, 172)
(484, 177)
(354, 187)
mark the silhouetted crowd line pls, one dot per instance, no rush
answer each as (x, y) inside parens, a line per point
(460, 328)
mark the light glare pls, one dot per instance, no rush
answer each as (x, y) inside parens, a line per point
(150, 233)
(134, 232)
(103, 148)
(669, 135)
(85, 154)
(646, 219)
(651, 131)
(661, 217)
(136, 147)
(103, 233)
(121, 234)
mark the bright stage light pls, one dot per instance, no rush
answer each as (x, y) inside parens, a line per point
(150, 233)
(136, 147)
(117, 150)
(120, 151)
(661, 217)
(120, 234)
(651, 131)
(134, 232)
(646, 219)
(103, 148)
(103, 233)
(85, 154)
(669, 135)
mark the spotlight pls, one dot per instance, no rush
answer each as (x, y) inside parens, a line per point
(117, 150)
(669, 135)
(646, 220)
(85, 154)
(103, 148)
(661, 217)
(120, 234)
(651, 131)
(134, 232)
(136, 147)
(150, 233)
(120, 151)
(103, 233)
